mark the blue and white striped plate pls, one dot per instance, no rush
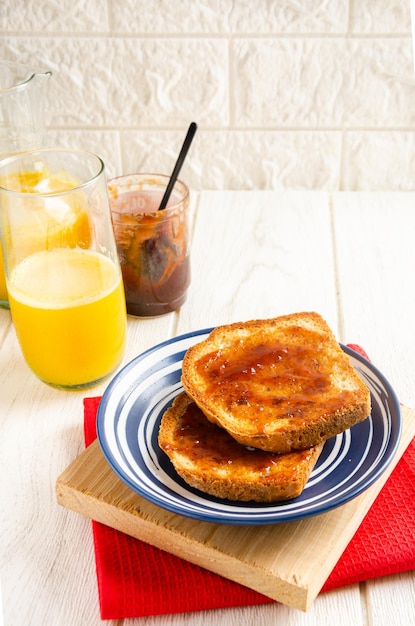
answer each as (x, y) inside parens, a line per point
(128, 422)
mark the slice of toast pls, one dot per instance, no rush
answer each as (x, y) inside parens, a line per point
(280, 384)
(210, 460)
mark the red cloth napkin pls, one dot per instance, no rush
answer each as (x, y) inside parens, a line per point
(136, 579)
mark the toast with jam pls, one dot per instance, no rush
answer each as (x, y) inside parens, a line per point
(210, 460)
(279, 385)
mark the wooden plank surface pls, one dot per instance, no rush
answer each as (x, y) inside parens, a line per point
(288, 562)
(351, 260)
(260, 255)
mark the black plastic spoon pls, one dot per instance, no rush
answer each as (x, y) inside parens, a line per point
(180, 159)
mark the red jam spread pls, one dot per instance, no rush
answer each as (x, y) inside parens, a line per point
(206, 443)
(278, 379)
(153, 251)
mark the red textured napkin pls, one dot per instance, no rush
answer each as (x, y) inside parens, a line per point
(136, 579)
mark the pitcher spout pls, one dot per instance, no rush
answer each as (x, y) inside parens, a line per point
(22, 107)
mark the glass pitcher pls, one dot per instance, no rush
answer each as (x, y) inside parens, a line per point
(22, 120)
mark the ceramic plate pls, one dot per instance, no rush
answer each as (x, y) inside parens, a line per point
(128, 421)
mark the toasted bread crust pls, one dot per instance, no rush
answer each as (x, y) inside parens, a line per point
(210, 460)
(280, 385)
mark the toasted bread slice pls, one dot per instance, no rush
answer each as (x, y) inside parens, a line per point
(280, 384)
(210, 460)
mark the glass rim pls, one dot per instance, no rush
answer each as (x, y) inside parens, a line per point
(50, 194)
(149, 176)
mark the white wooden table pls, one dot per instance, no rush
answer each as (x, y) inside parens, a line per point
(349, 256)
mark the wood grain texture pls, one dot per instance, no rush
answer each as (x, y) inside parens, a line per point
(254, 254)
(303, 552)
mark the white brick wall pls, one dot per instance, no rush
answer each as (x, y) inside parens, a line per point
(299, 94)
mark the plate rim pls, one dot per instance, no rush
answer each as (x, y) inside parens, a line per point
(395, 421)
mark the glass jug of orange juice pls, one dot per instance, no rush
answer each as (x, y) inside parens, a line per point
(22, 121)
(62, 270)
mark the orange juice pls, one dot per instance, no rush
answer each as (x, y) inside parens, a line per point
(51, 221)
(68, 308)
(3, 288)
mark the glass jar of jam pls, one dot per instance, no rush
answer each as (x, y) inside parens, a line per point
(152, 244)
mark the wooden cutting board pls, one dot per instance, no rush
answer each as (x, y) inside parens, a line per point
(288, 562)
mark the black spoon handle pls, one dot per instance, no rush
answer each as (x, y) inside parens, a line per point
(180, 159)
